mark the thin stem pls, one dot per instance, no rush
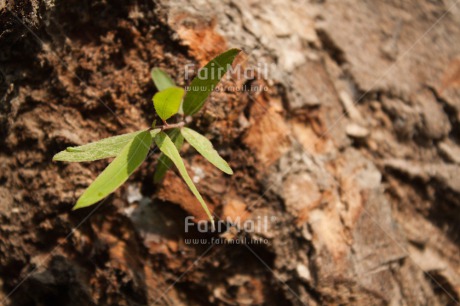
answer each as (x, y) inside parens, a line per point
(169, 126)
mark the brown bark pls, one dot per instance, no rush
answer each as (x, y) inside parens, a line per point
(352, 152)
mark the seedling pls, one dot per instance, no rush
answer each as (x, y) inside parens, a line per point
(131, 149)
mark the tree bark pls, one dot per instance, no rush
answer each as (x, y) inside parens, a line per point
(348, 146)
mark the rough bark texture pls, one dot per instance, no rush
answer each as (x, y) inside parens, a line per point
(363, 198)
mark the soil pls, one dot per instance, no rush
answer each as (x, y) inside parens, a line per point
(350, 149)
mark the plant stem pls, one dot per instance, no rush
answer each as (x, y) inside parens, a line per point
(170, 126)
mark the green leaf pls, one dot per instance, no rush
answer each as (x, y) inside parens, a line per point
(200, 88)
(164, 163)
(205, 148)
(167, 102)
(161, 79)
(118, 171)
(169, 149)
(105, 148)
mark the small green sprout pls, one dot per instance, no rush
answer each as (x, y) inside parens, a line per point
(131, 149)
